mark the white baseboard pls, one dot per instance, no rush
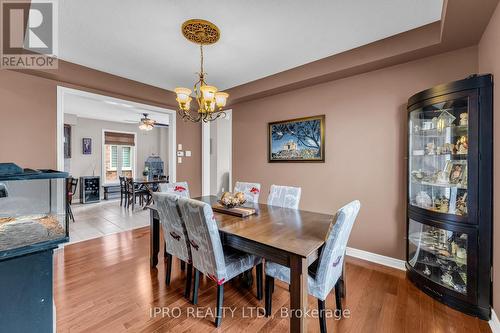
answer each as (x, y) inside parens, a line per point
(494, 323)
(376, 258)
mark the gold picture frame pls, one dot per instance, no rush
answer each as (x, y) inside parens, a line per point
(297, 140)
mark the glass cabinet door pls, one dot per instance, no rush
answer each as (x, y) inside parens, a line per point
(438, 150)
(440, 255)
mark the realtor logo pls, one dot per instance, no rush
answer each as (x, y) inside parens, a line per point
(29, 38)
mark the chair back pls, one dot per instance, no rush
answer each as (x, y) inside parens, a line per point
(204, 238)
(284, 196)
(179, 188)
(174, 229)
(123, 185)
(71, 185)
(251, 190)
(74, 185)
(331, 259)
(129, 184)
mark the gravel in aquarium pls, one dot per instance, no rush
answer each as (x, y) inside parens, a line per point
(28, 230)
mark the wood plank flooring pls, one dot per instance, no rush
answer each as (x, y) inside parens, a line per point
(106, 285)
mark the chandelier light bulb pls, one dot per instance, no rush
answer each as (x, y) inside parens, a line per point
(221, 99)
(208, 92)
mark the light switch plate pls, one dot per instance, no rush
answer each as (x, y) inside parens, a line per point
(180, 153)
(179, 146)
(179, 160)
(188, 153)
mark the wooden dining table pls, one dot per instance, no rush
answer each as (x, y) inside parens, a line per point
(290, 237)
(138, 183)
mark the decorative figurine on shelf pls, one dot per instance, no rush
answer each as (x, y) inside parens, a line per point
(427, 125)
(417, 175)
(461, 206)
(447, 279)
(451, 148)
(461, 253)
(444, 120)
(441, 177)
(441, 205)
(427, 271)
(423, 200)
(434, 122)
(462, 145)
(464, 119)
(430, 148)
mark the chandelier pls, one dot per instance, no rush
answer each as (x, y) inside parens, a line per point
(210, 101)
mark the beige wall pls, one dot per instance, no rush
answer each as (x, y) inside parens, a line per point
(365, 144)
(147, 143)
(28, 106)
(489, 62)
(27, 120)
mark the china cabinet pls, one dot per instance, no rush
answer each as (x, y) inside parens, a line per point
(449, 214)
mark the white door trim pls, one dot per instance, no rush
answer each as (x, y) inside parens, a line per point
(205, 158)
(172, 136)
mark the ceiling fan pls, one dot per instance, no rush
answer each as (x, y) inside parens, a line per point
(147, 124)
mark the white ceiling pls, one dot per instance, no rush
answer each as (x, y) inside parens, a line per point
(141, 40)
(109, 109)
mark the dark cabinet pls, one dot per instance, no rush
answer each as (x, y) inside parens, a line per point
(90, 189)
(449, 215)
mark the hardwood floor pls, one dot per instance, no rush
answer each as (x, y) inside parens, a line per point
(106, 285)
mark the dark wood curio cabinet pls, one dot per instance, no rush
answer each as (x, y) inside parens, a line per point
(450, 179)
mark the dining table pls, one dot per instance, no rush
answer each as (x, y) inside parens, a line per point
(148, 185)
(290, 237)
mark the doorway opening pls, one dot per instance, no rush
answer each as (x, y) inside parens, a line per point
(102, 138)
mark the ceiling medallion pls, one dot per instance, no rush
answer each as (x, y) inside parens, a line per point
(200, 31)
(210, 101)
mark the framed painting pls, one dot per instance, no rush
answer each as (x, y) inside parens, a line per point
(297, 140)
(87, 146)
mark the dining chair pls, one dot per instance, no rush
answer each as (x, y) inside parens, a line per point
(134, 193)
(284, 196)
(180, 188)
(174, 229)
(123, 191)
(219, 263)
(251, 190)
(71, 185)
(324, 274)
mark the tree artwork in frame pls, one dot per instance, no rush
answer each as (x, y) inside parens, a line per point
(297, 140)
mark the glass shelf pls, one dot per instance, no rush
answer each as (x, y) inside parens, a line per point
(439, 254)
(438, 146)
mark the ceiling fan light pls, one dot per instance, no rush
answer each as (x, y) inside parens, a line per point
(145, 127)
(221, 99)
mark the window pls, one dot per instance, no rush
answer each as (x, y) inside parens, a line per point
(126, 158)
(113, 157)
(118, 155)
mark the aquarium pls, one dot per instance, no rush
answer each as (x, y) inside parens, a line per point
(32, 208)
